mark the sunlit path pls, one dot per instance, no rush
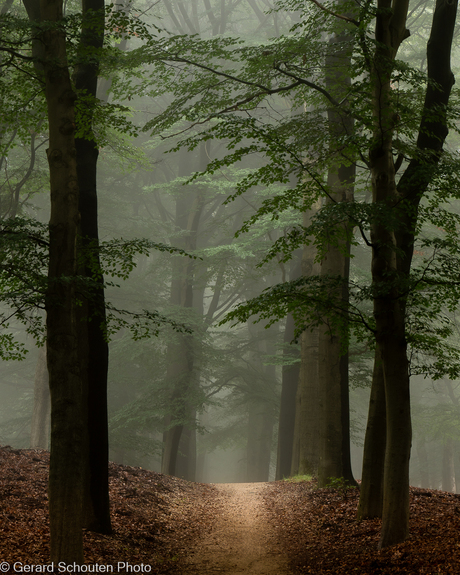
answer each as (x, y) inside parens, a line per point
(242, 540)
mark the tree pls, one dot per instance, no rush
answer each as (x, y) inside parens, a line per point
(64, 359)
(392, 246)
(289, 386)
(334, 459)
(93, 324)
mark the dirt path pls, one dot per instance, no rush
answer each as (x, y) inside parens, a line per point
(242, 540)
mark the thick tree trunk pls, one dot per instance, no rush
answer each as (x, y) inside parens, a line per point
(371, 493)
(40, 426)
(393, 248)
(330, 433)
(333, 359)
(64, 363)
(388, 307)
(97, 505)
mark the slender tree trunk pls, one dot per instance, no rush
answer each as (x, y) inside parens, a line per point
(371, 493)
(305, 457)
(290, 380)
(448, 468)
(180, 371)
(40, 427)
(260, 431)
(456, 448)
(424, 469)
(261, 406)
(64, 365)
(186, 462)
(391, 339)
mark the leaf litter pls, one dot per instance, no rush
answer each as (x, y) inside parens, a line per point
(160, 521)
(320, 533)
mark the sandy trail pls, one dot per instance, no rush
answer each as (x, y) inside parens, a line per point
(242, 540)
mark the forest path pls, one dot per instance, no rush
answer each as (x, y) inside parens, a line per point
(242, 539)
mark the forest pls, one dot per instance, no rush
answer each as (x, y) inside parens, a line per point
(229, 240)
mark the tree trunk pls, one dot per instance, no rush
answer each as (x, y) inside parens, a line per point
(393, 248)
(371, 493)
(40, 427)
(305, 455)
(390, 337)
(388, 308)
(448, 468)
(181, 374)
(97, 505)
(261, 406)
(424, 469)
(260, 431)
(290, 380)
(335, 458)
(64, 364)
(186, 463)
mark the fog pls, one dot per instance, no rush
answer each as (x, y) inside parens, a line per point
(220, 383)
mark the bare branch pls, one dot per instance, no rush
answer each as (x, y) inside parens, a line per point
(340, 16)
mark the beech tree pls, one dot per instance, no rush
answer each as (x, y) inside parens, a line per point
(93, 327)
(63, 352)
(392, 246)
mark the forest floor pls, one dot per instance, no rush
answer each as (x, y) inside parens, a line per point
(168, 526)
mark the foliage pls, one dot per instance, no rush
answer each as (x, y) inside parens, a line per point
(23, 282)
(341, 485)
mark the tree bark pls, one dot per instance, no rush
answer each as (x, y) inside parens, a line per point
(305, 457)
(97, 505)
(64, 365)
(371, 493)
(335, 459)
(393, 248)
(388, 308)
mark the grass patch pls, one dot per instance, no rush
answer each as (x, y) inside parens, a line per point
(298, 478)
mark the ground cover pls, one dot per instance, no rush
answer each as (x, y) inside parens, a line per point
(165, 525)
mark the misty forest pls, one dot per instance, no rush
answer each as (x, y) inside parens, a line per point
(229, 236)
